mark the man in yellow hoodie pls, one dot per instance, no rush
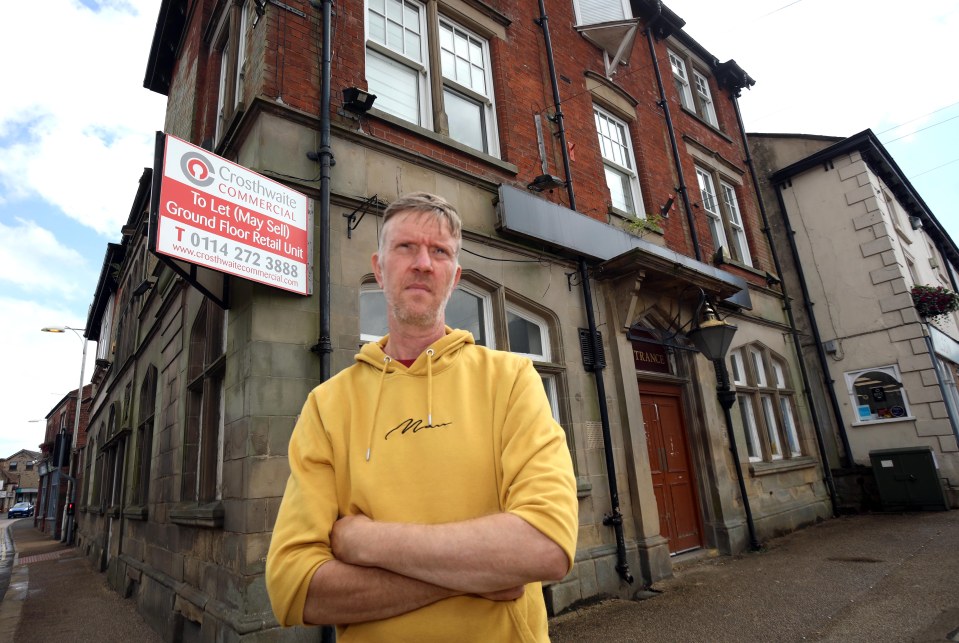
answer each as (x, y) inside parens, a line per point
(430, 489)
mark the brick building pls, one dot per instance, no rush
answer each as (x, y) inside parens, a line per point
(596, 229)
(23, 476)
(57, 451)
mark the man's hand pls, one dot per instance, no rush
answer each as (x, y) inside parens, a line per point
(349, 536)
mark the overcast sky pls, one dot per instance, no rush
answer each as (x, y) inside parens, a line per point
(77, 129)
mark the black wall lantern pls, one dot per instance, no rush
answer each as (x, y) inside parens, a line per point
(712, 336)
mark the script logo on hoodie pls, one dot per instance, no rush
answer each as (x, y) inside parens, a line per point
(409, 425)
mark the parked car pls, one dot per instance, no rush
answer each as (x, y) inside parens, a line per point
(20, 510)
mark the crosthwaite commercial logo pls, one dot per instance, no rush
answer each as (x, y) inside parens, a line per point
(197, 168)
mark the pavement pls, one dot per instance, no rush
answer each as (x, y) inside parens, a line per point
(54, 593)
(870, 577)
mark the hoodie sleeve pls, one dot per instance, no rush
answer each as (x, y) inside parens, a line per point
(301, 535)
(538, 481)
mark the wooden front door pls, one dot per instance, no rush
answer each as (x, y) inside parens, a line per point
(673, 478)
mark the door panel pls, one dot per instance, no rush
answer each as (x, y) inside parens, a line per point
(670, 465)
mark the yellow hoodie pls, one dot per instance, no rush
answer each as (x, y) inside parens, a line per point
(463, 432)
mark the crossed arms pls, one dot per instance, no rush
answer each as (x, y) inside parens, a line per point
(383, 569)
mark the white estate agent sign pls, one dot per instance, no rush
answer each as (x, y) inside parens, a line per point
(220, 215)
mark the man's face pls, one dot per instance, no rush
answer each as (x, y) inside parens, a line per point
(417, 269)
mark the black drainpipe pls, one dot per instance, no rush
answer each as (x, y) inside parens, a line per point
(664, 105)
(807, 302)
(325, 154)
(614, 518)
(807, 390)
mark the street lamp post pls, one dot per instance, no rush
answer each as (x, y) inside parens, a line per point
(713, 337)
(71, 479)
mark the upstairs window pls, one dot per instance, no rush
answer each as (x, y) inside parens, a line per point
(681, 80)
(707, 109)
(619, 163)
(693, 88)
(724, 216)
(396, 58)
(590, 12)
(399, 72)
(229, 50)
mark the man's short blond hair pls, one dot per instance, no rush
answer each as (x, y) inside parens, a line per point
(436, 206)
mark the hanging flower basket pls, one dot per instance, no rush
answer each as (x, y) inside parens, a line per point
(934, 302)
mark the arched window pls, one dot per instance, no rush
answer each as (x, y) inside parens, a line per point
(877, 395)
(201, 436)
(766, 402)
(144, 445)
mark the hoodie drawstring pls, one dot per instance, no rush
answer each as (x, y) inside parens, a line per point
(379, 394)
(429, 387)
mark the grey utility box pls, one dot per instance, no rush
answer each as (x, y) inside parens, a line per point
(908, 479)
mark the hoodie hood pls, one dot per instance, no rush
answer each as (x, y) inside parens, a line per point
(437, 357)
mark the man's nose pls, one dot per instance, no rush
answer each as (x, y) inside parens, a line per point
(423, 261)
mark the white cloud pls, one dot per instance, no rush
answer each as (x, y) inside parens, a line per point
(32, 258)
(77, 129)
(40, 369)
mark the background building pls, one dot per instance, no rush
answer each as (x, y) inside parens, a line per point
(861, 238)
(24, 476)
(57, 451)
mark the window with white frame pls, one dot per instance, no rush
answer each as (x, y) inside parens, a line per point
(707, 109)
(735, 221)
(710, 205)
(693, 88)
(877, 395)
(399, 68)
(724, 216)
(590, 12)
(766, 402)
(619, 163)
(681, 80)
(397, 58)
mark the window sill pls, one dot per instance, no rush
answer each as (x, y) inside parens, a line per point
(907, 418)
(635, 225)
(702, 120)
(781, 466)
(742, 266)
(584, 488)
(208, 514)
(135, 512)
(443, 140)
